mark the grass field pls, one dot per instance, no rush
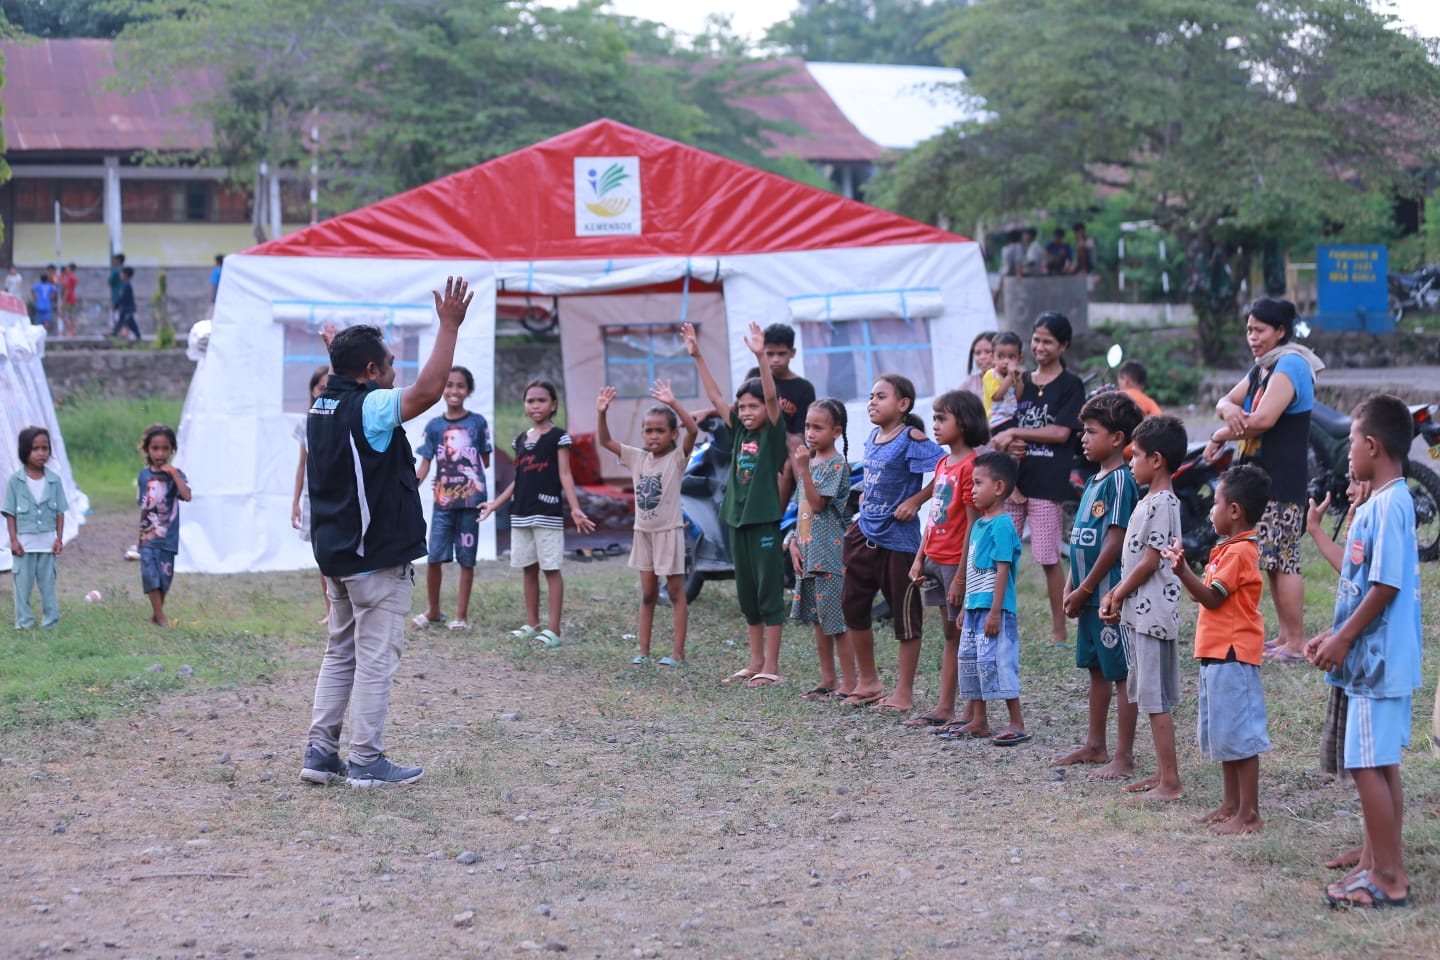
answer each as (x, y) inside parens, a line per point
(655, 809)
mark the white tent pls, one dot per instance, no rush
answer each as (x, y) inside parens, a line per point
(25, 402)
(632, 233)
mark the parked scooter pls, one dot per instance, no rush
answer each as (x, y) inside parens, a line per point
(1419, 291)
(1329, 460)
(707, 544)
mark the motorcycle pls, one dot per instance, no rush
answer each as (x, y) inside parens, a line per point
(1329, 461)
(702, 491)
(1414, 291)
(1328, 457)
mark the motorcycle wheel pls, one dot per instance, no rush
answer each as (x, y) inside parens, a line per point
(1425, 491)
(694, 579)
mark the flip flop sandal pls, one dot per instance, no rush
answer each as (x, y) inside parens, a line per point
(458, 625)
(1361, 883)
(816, 693)
(744, 673)
(668, 662)
(1010, 738)
(1281, 655)
(421, 621)
(855, 700)
(640, 661)
(924, 720)
(764, 680)
(548, 639)
(524, 633)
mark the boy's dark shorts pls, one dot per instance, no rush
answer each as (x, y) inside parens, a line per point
(454, 535)
(1098, 645)
(157, 568)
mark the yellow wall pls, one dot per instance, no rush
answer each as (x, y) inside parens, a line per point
(145, 244)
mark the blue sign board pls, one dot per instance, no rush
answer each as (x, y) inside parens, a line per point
(1351, 280)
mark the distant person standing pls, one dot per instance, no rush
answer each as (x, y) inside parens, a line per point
(1034, 253)
(215, 278)
(46, 294)
(15, 282)
(125, 308)
(1059, 255)
(366, 528)
(116, 283)
(1084, 258)
(69, 280)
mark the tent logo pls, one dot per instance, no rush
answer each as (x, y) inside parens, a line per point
(607, 196)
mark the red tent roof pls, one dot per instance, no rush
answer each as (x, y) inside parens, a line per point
(522, 207)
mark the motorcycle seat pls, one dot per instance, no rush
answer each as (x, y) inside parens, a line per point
(1332, 421)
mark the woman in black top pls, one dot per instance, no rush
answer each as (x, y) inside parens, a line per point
(1046, 421)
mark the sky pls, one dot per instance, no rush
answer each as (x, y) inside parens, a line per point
(751, 17)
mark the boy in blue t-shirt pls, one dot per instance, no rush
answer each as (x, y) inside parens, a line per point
(989, 656)
(459, 443)
(1373, 652)
(45, 293)
(1096, 542)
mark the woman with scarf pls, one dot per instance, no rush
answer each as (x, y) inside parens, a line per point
(1268, 414)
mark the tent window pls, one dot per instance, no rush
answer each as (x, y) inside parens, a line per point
(638, 354)
(305, 350)
(843, 358)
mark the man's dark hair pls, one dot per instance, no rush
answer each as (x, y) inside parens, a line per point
(1136, 371)
(1164, 435)
(1077, 225)
(127, 272)
(1114, 411)
(780, 334)
(1386, 418)
(355, 348)
(118, 259)
(1001, 466)
(1249, 486)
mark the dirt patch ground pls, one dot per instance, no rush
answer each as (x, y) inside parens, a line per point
(574, 805)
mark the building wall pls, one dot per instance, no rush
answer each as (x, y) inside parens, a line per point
(144, 244)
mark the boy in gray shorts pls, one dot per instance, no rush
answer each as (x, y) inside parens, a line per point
(1146, 602)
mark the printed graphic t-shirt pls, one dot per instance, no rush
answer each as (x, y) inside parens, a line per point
(657, 486)
(1107, 502)
(1045, 468)
(753, 493)
(456, 447)
(894, 472)
(1154, 608)
(159, 501)
(948, 520)
(821, 535)
(536, 500)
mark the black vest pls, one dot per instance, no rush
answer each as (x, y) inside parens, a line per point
(364, 505)
(1282, 450)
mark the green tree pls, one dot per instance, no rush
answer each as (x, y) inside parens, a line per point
(863, 31)
(1228, 122)
(63, 18)
(410, 90)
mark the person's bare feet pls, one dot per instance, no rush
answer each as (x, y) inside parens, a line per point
(160, 621)
(1341, 861)
(1163, 793)
(934, 718)
(1116, 769)
(1218, 815)
(1236, 826)
(1140, 786)
(1058, 638)
(1081, 755)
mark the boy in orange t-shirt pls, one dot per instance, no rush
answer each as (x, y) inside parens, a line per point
(1229, 638)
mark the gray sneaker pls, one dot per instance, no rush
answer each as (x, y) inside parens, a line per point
(321, 767)
(382, 773)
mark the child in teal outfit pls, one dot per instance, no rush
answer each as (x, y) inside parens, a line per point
(1108, 421)
(34, 511)
(752, 506)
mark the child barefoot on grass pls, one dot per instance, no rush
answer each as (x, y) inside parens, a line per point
(1375, 647)
(658, 549)
(815, 547)
(989, 648)
(751, 508)
(1096, 542)
(1229, 640)
(959, 423)
(1146, 602)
